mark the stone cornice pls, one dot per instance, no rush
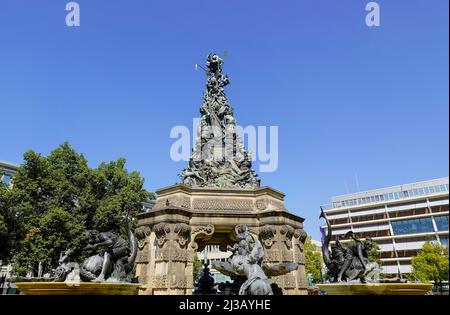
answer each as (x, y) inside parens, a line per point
(257, 192)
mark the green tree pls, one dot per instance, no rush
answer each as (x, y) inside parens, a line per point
(313, 260)
(120, 194)
(374, 254)
(198, 265)
(56, 197)
(7, 223)
(430, 263)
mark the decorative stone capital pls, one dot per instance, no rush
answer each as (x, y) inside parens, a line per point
(183, 232)
(300, 235)
(142, 233)
(178, 232)
(299, 245)
(276, 235)
(287, 231)
(267, 235)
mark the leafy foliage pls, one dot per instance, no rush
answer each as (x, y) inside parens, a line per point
(121, 194)
(198, 265)
(55, 198)
(313, 260)
(374, 254)
(430, 263)
(7, 222)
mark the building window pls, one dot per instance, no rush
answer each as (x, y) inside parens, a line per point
(6, 179)
(441, 222)
(422, 225)
(444, 241)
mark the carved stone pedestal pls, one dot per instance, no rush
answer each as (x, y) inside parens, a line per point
(186, 219)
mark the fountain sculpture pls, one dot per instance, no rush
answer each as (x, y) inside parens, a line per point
(246, 262)
(109, 268)
(351, 272)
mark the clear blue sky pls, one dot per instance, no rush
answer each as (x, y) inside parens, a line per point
(347, 98)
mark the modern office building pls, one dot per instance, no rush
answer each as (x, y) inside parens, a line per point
(7, 170)
(399, 219)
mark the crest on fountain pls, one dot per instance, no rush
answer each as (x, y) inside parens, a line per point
(218, 158)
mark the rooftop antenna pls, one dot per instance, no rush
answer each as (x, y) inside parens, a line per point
(356, 180)
(346, 186)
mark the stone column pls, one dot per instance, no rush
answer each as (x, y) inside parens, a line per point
(299, 258)
(279, 248)
(171, 258)
(143, 258)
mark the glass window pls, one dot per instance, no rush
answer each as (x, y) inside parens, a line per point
(444, 241)
(427, 190)
(405, 193)
(421, 225)
(442, 187)
(6, 179)
(441, 222)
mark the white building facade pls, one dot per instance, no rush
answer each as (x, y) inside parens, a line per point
(7, 171)
(400, 219)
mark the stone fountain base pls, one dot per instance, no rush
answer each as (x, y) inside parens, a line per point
(82, 288)
(376, 288)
